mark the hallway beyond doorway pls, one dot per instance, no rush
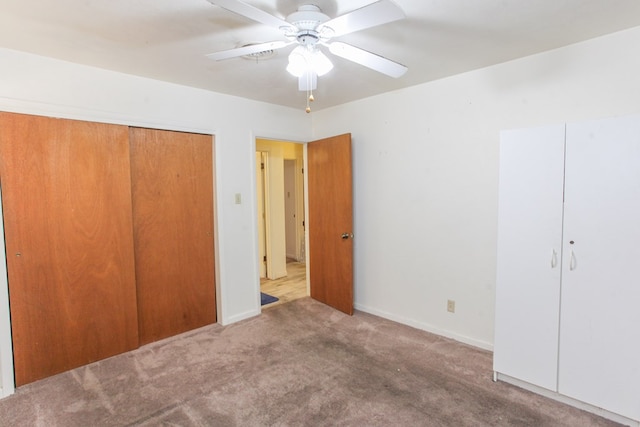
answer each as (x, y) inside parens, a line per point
(288, 288)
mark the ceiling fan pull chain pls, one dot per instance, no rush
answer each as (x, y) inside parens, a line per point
(309, 92)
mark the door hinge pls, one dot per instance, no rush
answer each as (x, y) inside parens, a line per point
(262, 166)
(303, 170)
(264, 258)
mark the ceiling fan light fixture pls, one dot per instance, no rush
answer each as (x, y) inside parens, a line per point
(297, 62)
(302, 60)
(320, 63)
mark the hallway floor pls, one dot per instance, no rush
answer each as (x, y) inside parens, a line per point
(288, 288)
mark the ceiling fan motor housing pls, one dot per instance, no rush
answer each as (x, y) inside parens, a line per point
(307, 37)
(307, 17)
(306, 21)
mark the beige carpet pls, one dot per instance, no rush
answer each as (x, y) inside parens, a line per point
(298, 364)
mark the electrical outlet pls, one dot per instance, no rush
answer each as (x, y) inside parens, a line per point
(451, 306)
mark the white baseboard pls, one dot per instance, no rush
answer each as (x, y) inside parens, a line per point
(238, 317)
(6, 392)
(426, 327)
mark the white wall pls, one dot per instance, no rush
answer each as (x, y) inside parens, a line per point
(36, 85)
(426, 175)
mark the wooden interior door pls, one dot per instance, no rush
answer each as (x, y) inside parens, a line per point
(67, 215)
(331, 222)
(172, 182)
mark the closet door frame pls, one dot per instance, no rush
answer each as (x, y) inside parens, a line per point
(7, 377)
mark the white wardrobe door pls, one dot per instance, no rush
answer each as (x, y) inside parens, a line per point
(600, 319)
(529, 245)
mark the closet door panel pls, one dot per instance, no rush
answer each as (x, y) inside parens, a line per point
(600, 321)
(172, 177)
(529, 254)
(68, 228)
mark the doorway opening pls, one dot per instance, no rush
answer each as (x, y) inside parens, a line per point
(281, 216)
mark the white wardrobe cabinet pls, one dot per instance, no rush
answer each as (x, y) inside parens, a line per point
(568, 274)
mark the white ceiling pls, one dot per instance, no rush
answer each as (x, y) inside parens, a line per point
(168, 39)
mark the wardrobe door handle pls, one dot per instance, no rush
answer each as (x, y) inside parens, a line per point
(554, 258)
(572, 261)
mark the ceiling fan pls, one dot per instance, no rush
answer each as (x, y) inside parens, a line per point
(309, 28)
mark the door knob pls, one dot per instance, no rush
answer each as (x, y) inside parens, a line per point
(346, 236)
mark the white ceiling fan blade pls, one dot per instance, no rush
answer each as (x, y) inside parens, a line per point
(250, 12)
(368, 59)
(247, 50)
(378, 13)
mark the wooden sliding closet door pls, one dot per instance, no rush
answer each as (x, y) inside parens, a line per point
(66, 195)
(172, 182)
